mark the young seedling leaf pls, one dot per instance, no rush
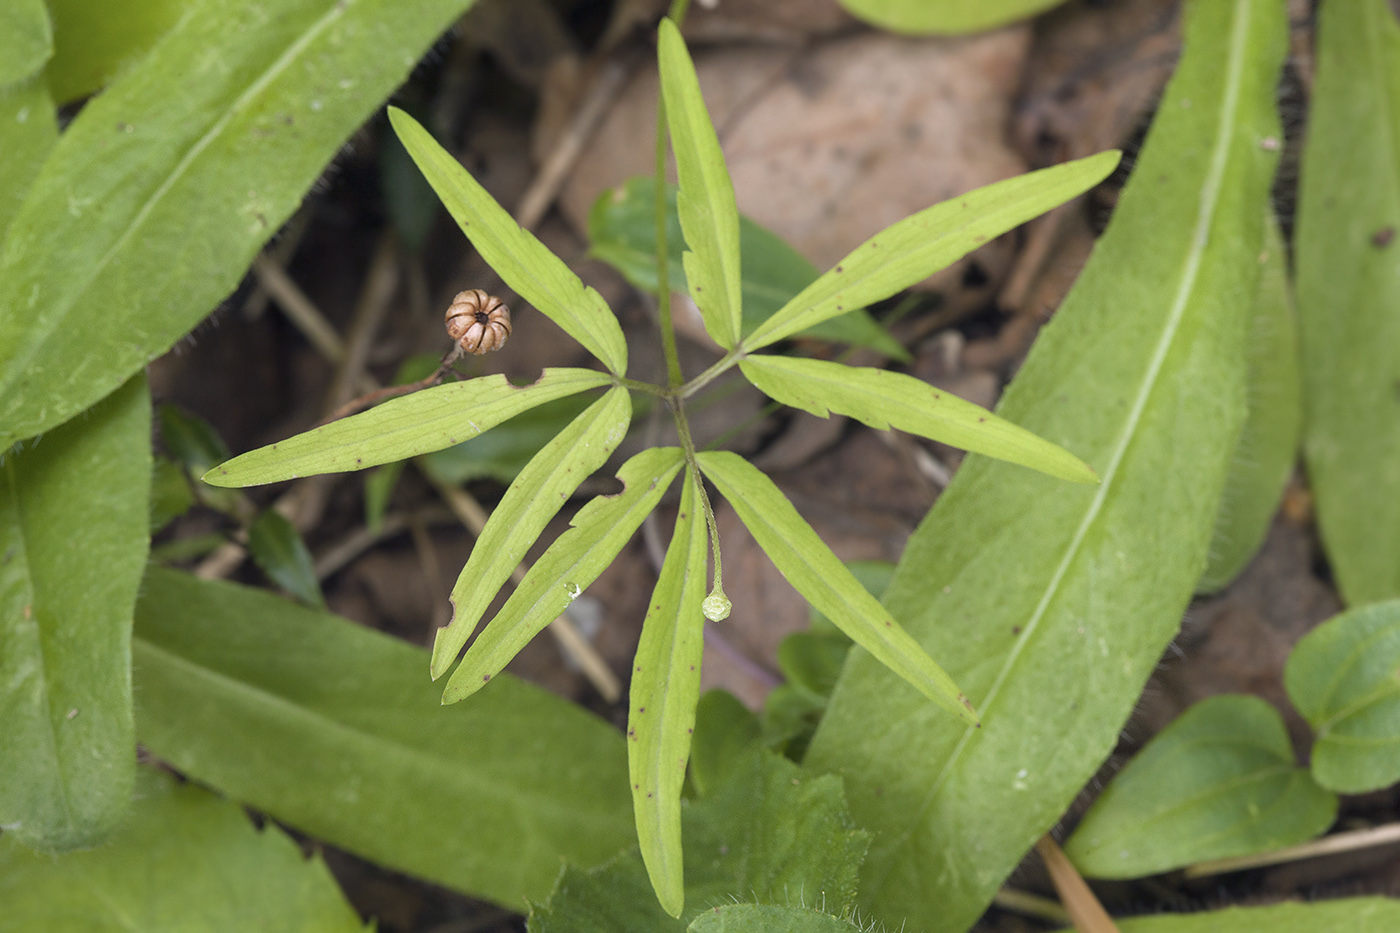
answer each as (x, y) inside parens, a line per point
(808, 564)
(277, 548)
(595, 536)
(709, 218)
(1346, 246)
(665, 690)
(402, 427)
(724, 729)
(768, 918)
(331, 727)
(164, 187)
(521, 260)
(536, 496)
(944, 17)
(1344, 677)
(919, 245)
(183, 859)
(1220, 781)
(884, 399)
(74, 522)
(1051, 604)
(622, 233)
(1353, 914)
(1268, 445)
(771, 834)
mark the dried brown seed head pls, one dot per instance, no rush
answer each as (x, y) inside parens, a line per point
(478, 322)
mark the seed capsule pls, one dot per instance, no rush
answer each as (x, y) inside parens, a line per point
(478, 322)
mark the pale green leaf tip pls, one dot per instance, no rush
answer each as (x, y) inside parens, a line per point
(218, 476)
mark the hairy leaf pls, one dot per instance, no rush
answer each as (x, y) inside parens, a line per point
(768, 918)
(1050, 603)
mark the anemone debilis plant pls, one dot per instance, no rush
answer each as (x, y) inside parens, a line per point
(665, 676)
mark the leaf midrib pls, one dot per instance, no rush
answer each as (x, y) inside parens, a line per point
(1209, 198)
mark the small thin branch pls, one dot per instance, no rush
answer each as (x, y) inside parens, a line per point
(1334, 844)
(300, 310)
(1032, 905)
(1084, 908)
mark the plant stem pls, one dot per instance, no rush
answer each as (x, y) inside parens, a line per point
(693, 465)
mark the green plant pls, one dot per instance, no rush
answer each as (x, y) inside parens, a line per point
(665, 675)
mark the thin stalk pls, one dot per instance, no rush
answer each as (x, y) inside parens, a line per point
(688, 445)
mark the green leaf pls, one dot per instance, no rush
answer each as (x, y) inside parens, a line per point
(1344, 677)
(94, 41)
(709, 218)
(1346, 248)
(332, 728)
(884, 399)
(170, 493)
(1051, 604)
(1268, 443)
(74, 520)
(594, 537)
(183, 860)
(402, 427)
(622, 233)
(277, 548)
(768, 918)
(26, 39)
(1220, 781)
(944, 17)
(161, 191)
(1355, 915)
(665, 689)
(724, 730)
(517, 522)
(502, 453)
(190, 439)
(28, 131)
(522, 262)
(808, 564)
(379, 489)
(919, 245)
(771, 834)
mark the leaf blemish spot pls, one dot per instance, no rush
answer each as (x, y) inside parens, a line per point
(485, 677)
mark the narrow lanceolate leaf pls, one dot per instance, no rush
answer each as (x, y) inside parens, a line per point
(154, 201)
(1051, 604)
(184, 859)
(1268, 445)
(595, 536)
(1220, 781)
(1347, 246)
(331, 728)
(73, 539)
(276, 547)
(944, 17)
(1353, 914)
(522, 261)
(536, 496)
(709, 217)
(402, 427)
(665, 689)
(884, 400)
(919, 245)
(808, 564)
(1344, 677)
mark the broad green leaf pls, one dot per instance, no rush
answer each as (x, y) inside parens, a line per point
(1220, 781)
(503, 452)
(771, 834)
(536, 496)
(401, 427)
(184, 859)
(705, 203)
(1049, 603)
(724, 730)
(1268, 443)
(74, 520)
(768, 918)
(665, 689)
(522, 261)
(944, 17)
(594, 537)
(1344, 677)
(807, 563)
(883, 399)
(277, 548)
(28, 131)
(622, 233)
(161, 191)
(95, 40)
(1346, 246)
(332, 728)
(26, 40)
(1355, 915)
(919, 245)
